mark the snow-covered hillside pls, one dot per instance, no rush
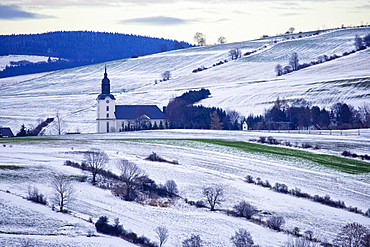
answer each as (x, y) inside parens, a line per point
(247, 85)
(24, 164)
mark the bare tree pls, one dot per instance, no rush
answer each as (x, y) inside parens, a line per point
(213, 195)
(221, 40)
(246, 210)
(162, 235)
(95, 161)
(294, 61)
(235, 53)
(242, 238)
(301, 242)
(279, 70)
(59, 126)
(63, 191)
(131, 175)
(291, 29)
(200, 39)
(351, 235)
(166, 75)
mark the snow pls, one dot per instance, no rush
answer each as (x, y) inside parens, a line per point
(200, 165)
(5, 60)
(248, 85)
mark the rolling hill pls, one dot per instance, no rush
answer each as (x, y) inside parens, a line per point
(248, 85)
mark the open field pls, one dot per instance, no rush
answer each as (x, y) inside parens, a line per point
(220, 158)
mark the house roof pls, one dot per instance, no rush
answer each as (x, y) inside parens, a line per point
(137, 111)
(6, 132)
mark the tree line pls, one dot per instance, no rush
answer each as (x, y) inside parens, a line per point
(301, 115)
(182, 113)
(85, 47)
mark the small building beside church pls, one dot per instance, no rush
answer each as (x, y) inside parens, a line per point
(115, 118)
(6, 132)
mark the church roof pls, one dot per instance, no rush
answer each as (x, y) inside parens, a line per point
(137, 111)
(104, 96)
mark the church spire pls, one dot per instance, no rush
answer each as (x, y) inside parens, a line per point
(105, 83)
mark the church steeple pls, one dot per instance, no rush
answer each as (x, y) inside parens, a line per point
(105, 83)
(105, 86)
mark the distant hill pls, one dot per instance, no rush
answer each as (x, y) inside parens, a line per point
(80, 48)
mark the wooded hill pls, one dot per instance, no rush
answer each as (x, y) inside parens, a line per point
(81, 48)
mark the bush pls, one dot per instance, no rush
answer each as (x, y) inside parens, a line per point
(367, 213)
(244, 209)
(193, 241)
(171, 187)
(275, 222)
(282, 188)
(242, 238)
(35, 196)
(249, 179)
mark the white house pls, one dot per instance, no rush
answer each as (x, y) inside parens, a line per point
(113, 118)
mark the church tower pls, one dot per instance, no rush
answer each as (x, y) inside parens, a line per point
(106, 107)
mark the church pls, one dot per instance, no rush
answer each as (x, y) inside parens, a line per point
(116, 118)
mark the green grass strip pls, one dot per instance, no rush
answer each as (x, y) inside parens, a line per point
(350, 166)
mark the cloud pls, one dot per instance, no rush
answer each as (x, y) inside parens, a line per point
(12, 12)
(157, 21)
(290, 14)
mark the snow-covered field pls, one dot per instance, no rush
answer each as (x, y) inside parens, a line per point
(200, 165)
(247, 85)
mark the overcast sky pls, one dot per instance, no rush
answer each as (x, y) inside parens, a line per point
(236, 20)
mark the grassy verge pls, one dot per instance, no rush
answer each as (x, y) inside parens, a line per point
(351, 166)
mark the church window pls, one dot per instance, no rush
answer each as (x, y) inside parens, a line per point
(107, 115)
(107, 127)
(107, 107)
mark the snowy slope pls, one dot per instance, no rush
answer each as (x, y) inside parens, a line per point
(199, 166)
(248, 85)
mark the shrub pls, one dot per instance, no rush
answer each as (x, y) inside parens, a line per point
(171, 187)
(244, 209)
(193, 241)
(35, 196)
(282, 188)
(249, 179)
(242, 238)
(275, 222)
(367, 213)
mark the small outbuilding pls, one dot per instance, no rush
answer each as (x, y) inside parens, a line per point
(6, 132)
(244, 126)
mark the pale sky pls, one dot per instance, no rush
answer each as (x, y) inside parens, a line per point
(236, 20)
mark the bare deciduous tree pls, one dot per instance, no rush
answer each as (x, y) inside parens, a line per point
(301, 242)
(162, 235)
(221, 40)
(166, 75)
(242, 238)
(131, 175)
(200, 39)
(95, 161)
(351, 235)
(235, 53)
(294, 61)
(279, 70)
(63, 191)
(213, 195)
